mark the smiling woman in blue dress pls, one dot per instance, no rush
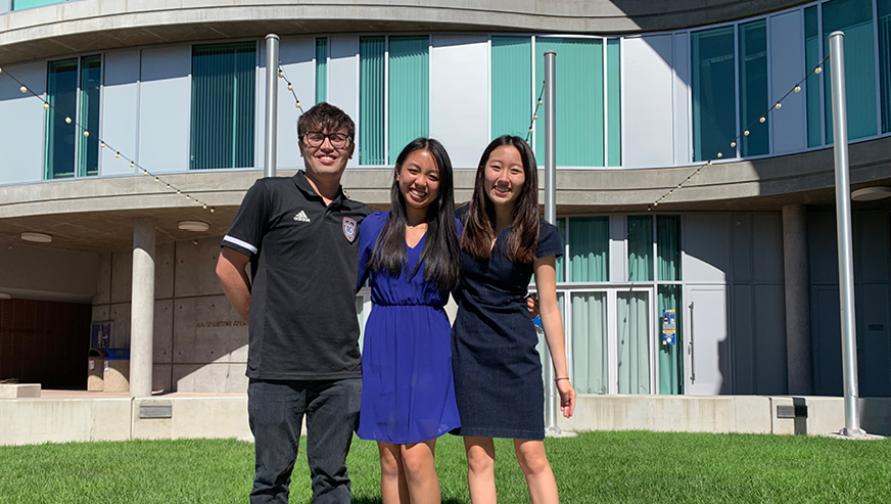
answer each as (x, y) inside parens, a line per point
(410, 256)
(498, 381)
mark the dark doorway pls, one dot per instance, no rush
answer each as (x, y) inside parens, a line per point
(44, 342)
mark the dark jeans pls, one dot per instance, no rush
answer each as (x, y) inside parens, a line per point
(275, 411)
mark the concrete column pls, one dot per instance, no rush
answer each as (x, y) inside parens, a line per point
(797, 287)
(142, 310)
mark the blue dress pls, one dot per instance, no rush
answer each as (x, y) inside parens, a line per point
(408, 395)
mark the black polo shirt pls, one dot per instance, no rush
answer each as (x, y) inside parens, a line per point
(303, 323)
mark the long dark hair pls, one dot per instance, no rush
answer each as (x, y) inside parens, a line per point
(479, 226)
(440, 254)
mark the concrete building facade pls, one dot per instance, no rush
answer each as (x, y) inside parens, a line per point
(674, 198)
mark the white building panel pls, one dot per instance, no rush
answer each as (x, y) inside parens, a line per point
(22, 125)
(683, 144)
(343, 79)
(789, 124)
(119, 103)
(296, 57)
(459, 96)
(647, 96)
(165, 91)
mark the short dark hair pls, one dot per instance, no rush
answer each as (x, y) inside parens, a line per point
(324, 116)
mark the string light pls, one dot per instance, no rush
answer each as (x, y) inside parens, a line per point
(284, 77)
(538, 103)
(762, 119)
(103, 144)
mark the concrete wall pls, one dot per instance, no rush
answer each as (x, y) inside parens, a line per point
(872, 279)
(732, 266)
(51, 274)
(30, 421)
(200, 343)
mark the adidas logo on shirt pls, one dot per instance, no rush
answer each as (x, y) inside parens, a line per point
(301, 217)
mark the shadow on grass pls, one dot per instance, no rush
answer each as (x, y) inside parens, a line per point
(377, 500)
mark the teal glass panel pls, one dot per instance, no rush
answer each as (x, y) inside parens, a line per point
(589, 249)
(668, 247)
(614, 102)
(640, 248)
(409, 92)
(588, 330)
(854, 17)
(223, 82)
(714, 93)
(61, 92)
(884, 12)
(27, 4)
(753, 99)
(90, 82)
(671, 358)
(580, 114)
(634, 349)
(511, 85)
(321, 70)
(813, 83)
(372, 51)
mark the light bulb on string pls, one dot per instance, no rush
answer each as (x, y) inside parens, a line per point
(45, 105)
(746, 133)
(86, 133)
(101, 144)
(67, 120)
(733, 144)
(720, 155)
(290, 87)
(818, 69)
(23, 89)
(117, 154)
(778, 105)
(762, 119)
(797, 89)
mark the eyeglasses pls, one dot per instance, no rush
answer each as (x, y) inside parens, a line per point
(317, 138)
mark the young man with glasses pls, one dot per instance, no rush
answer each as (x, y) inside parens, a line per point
(299, 235)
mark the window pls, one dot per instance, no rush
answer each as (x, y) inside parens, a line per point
(511, 86)
(854, 17)
(580, 99)
(753, 99)
(613, 103)
(812, 58)
(714, 96)
(28, 4)
(884, 12)
(408, 92)
(640, 248)
(223, 87)
(72, 90)
(589, 249)
(395, 69)
(321, 70)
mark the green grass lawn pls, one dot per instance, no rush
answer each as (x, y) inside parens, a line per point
(596, 467)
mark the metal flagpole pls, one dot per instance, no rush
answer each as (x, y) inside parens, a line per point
(550, 186)
(269, 160)
(843, 225)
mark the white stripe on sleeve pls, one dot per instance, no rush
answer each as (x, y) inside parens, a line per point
(241, 243)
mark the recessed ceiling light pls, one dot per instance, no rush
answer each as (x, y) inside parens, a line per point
(37, 237)
(871, 193)
(193, 225)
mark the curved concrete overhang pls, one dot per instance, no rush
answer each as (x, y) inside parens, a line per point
(96, 25)
(99, 213)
